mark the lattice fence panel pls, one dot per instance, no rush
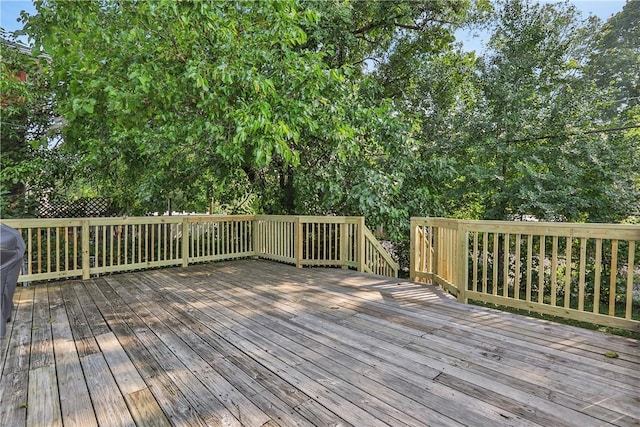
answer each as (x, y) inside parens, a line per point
(81, 208)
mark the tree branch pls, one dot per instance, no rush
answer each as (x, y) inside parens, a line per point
(422, 26)
(409, 27)
(368, 58)
(373, 25)
(394, 21)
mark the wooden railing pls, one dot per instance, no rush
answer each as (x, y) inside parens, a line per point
(377, 260)
(586, 272)
(332, 241)
(276, 237)
(81, 247)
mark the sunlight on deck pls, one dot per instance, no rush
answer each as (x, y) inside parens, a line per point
(258, 343)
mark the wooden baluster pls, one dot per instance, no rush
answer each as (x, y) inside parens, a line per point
(630, 273)
(496, 244)
(582, 273)
(613, 277)
(554, 270)
(505, 268)
(529, 267)
(541, 269)
(518, 274)
(474, 283)
(568, 270)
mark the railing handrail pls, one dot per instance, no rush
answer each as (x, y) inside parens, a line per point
(576, 230)
(311, 218)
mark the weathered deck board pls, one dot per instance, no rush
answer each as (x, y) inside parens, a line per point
(628, 400)
(173, 403)
(569, 379)
(256, 343)
(43, 403)
(75, 402)
(152, 314)
(270, 392)
(144, 409)
(15, 373)
(366, 374)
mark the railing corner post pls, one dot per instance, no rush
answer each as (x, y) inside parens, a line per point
(412, 250)
(298, 239)
(343, 245)
(185, 241)
(462, 263)
(86, 250)
(361, 244)
(255, 237)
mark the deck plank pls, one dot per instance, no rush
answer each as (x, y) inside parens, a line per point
(392, 379)
(627, 400)
(156, 318)
(420, 387)
(578, 390)
(43, 404)
(173, 403)
(477, 352)
(13, 398)
(82, 333)
(309, 380)
(41, 337)
(604, 366)
(257, 343)
(4, 343)
(15, 367)
(271, 393)
(18, 342)
(75, 402)
(109, 404)
(202, 399)
(144, 409)
(239, 372)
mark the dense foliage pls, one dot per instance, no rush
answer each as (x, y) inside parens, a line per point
(534, 146)
(28, 166)
(332, 107)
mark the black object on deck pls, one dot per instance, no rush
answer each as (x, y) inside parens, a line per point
(11, 251)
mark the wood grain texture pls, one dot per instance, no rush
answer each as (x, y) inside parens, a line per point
(75, 402)
(43, 405)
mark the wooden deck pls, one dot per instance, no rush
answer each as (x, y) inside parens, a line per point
(259, 343)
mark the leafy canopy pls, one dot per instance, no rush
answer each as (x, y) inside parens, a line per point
(355, 108)
(159, 94)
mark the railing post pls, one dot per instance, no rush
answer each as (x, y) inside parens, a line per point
(361, 243)
(462, 273)
(298, 239)
(86, 250)
(412, 250)
(255, 238)
(185, 241)
(343, 244)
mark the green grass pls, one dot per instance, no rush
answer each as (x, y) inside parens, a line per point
(585, 325)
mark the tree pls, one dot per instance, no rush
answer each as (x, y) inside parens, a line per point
(527, 153)
(391, 47)
(358, 108)
(613, 70)
(169, 100)
(27, 120)
(614, 60)
(161, 95)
